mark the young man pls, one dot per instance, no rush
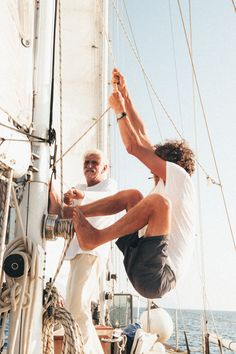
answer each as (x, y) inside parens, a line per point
(155, 261)
(86, 267)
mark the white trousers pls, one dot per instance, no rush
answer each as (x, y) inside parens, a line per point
(82, 283)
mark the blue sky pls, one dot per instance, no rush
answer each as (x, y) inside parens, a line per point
(158, 32)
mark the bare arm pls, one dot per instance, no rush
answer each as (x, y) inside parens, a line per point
(135, 119)
(133, 134)
(55, 205)
(105, 206)
(129, 134)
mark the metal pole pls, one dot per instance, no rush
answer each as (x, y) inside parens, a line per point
(34, 204)
(5, 217)
(102, 15)
(103, 125)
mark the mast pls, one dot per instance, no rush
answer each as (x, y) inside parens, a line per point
(103, 126)
(103, 141)
(31, 209)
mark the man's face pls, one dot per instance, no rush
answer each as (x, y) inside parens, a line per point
(94, 169)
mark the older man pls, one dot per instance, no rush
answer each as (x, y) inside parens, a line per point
(86, 266)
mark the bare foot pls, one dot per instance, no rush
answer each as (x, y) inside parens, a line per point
(87, 235)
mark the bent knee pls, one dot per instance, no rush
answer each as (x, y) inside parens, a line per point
(135, 195)
(157, 201)
(130, 197)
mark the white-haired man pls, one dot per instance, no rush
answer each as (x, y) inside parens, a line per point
(86, 267)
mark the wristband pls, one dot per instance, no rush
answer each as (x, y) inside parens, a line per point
(121, 115)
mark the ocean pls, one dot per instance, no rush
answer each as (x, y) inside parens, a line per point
(221, 322)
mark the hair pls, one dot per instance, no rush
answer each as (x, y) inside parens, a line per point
(99, 153)
(177, 151)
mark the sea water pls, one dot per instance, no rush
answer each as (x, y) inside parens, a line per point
(191, 321)
(222, 323)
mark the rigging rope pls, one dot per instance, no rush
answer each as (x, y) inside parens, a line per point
(22, 132)
(60, 100)
(142, 68)
(176, 71)
(4, 208)
(62, 155)
(207, 128)
(19, 292)
(67, 242)
(145, 79)
(202, 258)
(171, 120)
(203, 279)
(60, 263)
(234, 6)
(19, 140)
(83, 135)
(106, 34)
(155, 92)
(18, 213)
(55, 315)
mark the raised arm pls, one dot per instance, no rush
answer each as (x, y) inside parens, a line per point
(132, 129)
(134, 117)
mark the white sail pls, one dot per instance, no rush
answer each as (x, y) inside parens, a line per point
(16, 84)
(16, 69)
(79, 100)
(83, 77)
(84, 97)
(25, 90)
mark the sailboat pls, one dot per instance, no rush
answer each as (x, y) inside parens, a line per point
(54, 74)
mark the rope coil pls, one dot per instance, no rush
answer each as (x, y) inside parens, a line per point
(55, 315)
(18, 293)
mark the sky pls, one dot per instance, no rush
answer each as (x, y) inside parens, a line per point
(159, 36)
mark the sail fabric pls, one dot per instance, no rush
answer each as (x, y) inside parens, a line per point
(84, 86)
(83, 83)
(16, 64)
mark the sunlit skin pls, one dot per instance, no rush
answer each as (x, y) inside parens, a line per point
(154, 210)
(94, 168)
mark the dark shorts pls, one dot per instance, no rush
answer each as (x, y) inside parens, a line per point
(145, 264)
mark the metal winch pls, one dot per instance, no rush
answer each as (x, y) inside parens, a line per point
(55, 227)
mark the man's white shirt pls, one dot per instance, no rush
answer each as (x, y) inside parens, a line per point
(91, 194)
(179, 190)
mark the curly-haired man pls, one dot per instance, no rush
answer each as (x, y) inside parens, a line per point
(156, 234)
